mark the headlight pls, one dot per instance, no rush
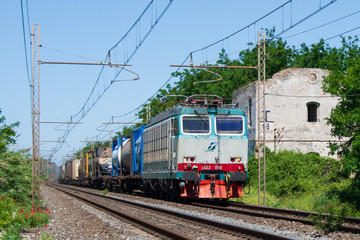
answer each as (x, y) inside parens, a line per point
(235, 159)
(189, 159)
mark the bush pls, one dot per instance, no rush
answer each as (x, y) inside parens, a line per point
(30, 217)
(12, 233)
(15, 176)
(15, 190)
(14, 216)
(290, 172)
(7, 209)
(331, 213)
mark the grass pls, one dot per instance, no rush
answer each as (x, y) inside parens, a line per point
(306, 201)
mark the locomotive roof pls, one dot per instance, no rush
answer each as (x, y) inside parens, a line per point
(178, 109)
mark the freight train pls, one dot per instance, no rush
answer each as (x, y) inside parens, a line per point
(196, 149)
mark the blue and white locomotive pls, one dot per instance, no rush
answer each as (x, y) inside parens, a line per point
(197, 149)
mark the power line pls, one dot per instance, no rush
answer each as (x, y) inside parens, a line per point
(337, 35)
(24, 37)
(233, 34)
(341, 34)
(68, 53)
(90, 101)
(323, 25)
(226, 38)
(305, 18)
(28, 16)
(246, 27)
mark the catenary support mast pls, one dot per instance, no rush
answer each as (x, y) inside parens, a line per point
(35, 111)
(261, 115)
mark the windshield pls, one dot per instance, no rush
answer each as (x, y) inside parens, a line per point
(229, 124)
(199, 124)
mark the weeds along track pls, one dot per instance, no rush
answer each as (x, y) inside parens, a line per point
(168, 223)
(350, 225)
(298, 213)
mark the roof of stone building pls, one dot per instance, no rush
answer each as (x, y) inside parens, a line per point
(287, 73)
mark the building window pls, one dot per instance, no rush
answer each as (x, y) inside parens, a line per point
(313, 109)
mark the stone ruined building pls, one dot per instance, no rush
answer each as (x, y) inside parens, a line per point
(296, 111)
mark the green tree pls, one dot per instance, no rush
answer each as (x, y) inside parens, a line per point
(279, 55)
(7, 133)
(126, 131)
(321, 55)
(91, 146)
(345, 117)
(15, 169)
(15, 175)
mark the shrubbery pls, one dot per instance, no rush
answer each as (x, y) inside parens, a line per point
(16, 212)
(14, 216)
(294, 173)
(307, 182)
(15, 176)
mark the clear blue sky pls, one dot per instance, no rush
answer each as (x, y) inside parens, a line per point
(90, 28)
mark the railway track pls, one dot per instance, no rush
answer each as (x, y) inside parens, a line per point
(168, 222)
(351, 224)
(298, 213)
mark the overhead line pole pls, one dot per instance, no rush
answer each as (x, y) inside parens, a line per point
(90, 102)
(35, 112)
(36, 103)
(261, 115)
(261, 67)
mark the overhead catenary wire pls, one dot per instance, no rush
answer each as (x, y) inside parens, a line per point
(69, 53)
(229, 36)
(323, 25)
(24, 37)
(92, 99)
(233, 34)
(303, 32)
(305, 18)
(338, 35)
(244, 28)
(278, 95)
(292, 25)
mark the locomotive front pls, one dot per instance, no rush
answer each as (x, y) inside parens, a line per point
(197, 149)
(212, 152)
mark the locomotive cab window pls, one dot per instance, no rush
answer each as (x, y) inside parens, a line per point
(229, 124)
(196, 124)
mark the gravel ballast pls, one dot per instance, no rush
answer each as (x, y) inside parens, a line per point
(71, 219)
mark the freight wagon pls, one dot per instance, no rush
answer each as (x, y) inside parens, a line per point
(197, 149)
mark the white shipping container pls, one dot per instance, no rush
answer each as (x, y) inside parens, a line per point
(75, 169)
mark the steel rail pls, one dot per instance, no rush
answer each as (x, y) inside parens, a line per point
(288, 211)
(118, 214)
(304, 214)
(234, 228)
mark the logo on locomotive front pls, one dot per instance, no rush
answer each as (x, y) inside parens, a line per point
(212, 147)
